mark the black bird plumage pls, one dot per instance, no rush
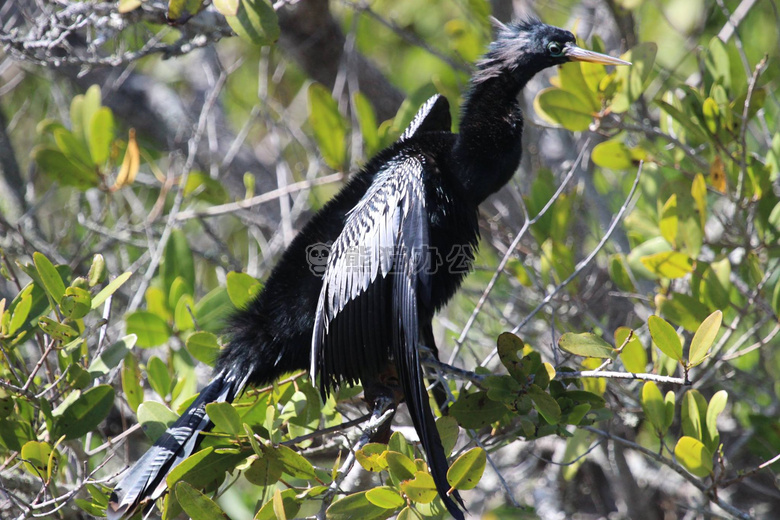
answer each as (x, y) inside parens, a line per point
(391, 230)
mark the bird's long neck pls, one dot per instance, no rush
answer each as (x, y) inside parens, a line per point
(488, 148)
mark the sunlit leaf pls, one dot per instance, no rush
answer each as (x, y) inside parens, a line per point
(467, 469)
(586, 344)
(665, 337)
(693, 456)
(669, 264)
(704, 337)
(653, 406)
(563, 108)
(255, 22)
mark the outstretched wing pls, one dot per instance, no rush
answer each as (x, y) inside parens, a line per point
(376, 278)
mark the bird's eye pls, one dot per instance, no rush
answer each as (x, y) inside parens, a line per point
(555, 49)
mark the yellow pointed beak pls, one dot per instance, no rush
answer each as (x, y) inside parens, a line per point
(575, 53)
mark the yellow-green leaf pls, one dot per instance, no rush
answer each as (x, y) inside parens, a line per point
(586, 344)
(633, 355)
(255, 22)
(613, 154)
(467, 469)
(665, 337)
(421, 488)
(669, 221)
(704, 337)
(669, 264)
(693, 456)
(51, 279)
(385, 497)
(563, 108)
(653, 406)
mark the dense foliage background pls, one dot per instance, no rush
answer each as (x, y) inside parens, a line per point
(151, 175)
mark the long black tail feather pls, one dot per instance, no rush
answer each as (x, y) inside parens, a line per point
(144, 483)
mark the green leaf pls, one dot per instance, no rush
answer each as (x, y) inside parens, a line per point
(212, 309)
(56, 330)
(49, 276)
(197, 505)
(586, 344)
(159, 377)
(112, 356)
(265, 470)
(669, 221)
(711, 114)
(97, 270)
(74, 149)
(613, 154)
(110, 289)
(21, 311)
(37, 457)
(467, 469)
(177, 261)
(476, 410)
(356, 506)
(704, 337)
(421, 488)
(669, 403)
(691, 414)
(564, 108)
(203, 187)
(573, 80)
(63, 170)
(714, 408)
(367, 121)
(633, 355)
(574, 456)
(400, 466)
(150, 329)
(155, 418)
(385, 497)
(256, 22)
(665, 337)
(545, 404)
(717, 62)
(224, 417)
(76, 303)
(330, 130)
(699, 194)
(372, 457)
(653, 406)
(227, 7)
(131, 382)
(293, 463)
(101, 135)
(632, 80)
(242, 288)
(204, 347)
(84, 414)
(510, 348)
(182, 314)
(619, 272)
(693, 456)
(669, 264)
(273, 509)
(448, 433)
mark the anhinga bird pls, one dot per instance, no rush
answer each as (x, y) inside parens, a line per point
(364, 321)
